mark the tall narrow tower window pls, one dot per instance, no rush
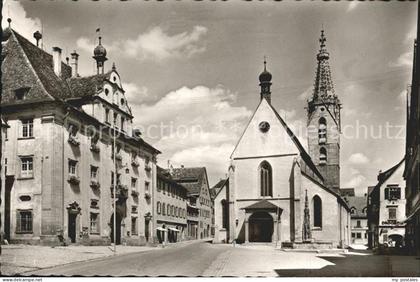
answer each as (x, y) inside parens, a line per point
(266, 179)
(322, 131)
(322, 156)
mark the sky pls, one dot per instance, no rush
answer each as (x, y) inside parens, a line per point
(190, 69)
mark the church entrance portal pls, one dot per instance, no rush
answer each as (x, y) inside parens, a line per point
(260, 227)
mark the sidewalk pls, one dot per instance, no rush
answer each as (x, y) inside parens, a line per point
(20, 258)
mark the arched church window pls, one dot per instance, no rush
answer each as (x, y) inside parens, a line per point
(163, 209)
(322, 131)
(266, 179)
(322, 156)
(317, 211)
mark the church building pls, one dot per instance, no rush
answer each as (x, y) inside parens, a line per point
(276, 190)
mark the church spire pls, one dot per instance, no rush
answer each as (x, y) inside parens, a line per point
(265, 83)
(323, 86)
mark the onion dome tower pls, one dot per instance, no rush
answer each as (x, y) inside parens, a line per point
(265, 83)
(99, 54)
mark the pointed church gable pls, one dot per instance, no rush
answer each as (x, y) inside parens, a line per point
(265, 135)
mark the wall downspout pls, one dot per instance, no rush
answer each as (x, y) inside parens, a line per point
(63, 169)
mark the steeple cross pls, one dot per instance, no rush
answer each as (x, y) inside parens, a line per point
(322, 39)
(265, 63)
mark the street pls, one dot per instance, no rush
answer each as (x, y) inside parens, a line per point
(205, 259)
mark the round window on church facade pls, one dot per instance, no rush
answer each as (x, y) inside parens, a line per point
(264, 126)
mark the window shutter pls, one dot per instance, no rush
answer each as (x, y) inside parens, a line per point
(386, 193)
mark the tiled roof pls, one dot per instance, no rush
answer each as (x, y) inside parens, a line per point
(42, 63)
(384, 176)
(263, 204)
(191, 177)
(219, 186)
(359, 204)
(163, 173)
(88, 85)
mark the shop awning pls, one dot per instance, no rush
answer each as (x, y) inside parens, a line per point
(174, 229)
(161, 229)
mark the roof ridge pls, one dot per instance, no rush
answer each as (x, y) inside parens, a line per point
(389, 172)
(305, 156)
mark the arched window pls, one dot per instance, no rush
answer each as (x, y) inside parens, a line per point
(168, 210)
(163, 209)
(266, 179)
(322, 131)
(158, 207)
(322, 156)
(317, 211)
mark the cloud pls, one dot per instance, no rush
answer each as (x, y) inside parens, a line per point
(198, 105)
(136, 94)
(405, 59)
(194, 126)
(214, 158)
(23, 24)
(352, 5)
(88, 45)
(155, 44)
(305, 94)
(358, 158)
(158, 45)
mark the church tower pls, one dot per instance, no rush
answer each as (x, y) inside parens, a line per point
(324, 126)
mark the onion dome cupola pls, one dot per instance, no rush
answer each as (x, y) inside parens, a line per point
(265, 83)
(99, 54)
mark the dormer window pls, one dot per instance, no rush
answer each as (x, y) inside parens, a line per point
(21, 93)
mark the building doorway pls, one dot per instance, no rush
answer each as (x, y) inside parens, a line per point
(8, 190)
(118, 230)
(146, 229)
(260, 227)
(73, 210)
(72, 227)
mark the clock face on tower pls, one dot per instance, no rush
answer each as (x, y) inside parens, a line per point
(264, 126)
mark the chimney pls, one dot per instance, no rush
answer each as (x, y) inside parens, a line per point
(74, 63)
(57, 61)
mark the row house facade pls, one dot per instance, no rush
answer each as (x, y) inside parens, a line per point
(412, 151)
(386, 209)
(199, 201)
(171, 208)
(70, 147)
(358, 214)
